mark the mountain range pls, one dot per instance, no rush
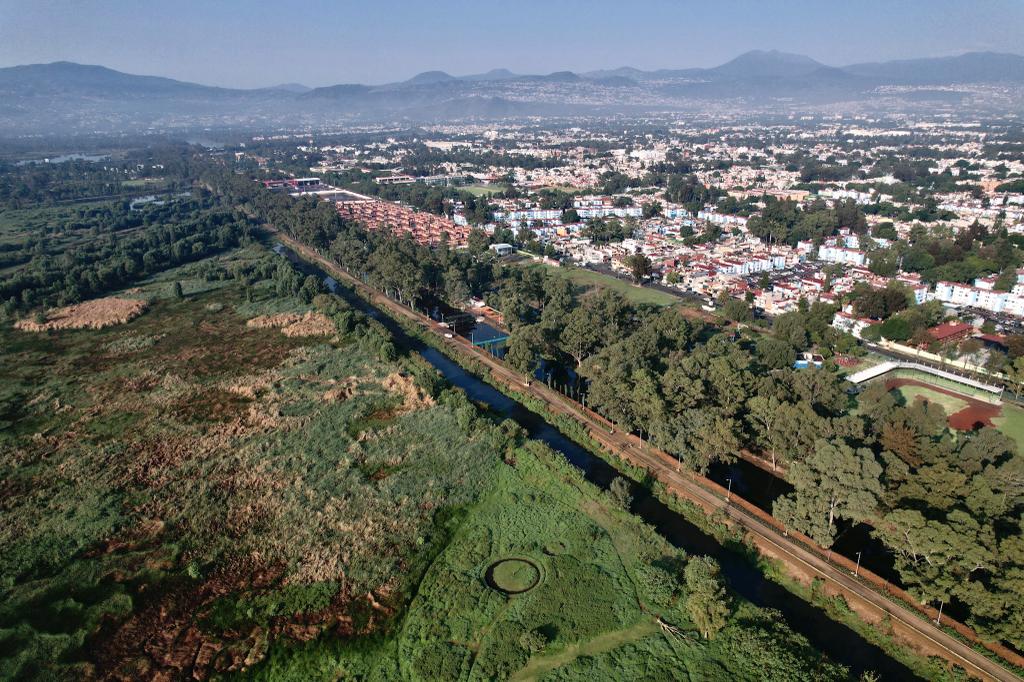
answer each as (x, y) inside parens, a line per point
(65, 97)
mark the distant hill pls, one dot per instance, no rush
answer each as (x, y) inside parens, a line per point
(621, 72)
(297, 88)
(492, 75)
(973, 67)
(766, 64)
(64, 97)
(343, 90)
(428, 77)
(68, 77)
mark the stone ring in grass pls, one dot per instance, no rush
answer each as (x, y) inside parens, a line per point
(513, 575)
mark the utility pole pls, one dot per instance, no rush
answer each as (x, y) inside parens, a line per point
(939, 617)
(856, 573)
(728, 492)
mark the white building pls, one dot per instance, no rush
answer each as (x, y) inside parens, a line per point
(836, 254)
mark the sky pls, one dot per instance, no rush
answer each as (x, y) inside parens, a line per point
(252, 43)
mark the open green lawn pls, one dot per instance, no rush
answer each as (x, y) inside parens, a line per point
(588, 280)
(482, 190)
(1011, 422)
(949, 403)
(145, 183)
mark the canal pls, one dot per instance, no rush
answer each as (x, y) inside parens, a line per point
(836, 640)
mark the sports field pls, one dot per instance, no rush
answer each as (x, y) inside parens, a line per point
(482, 190)
(590, 280)
(965, 412)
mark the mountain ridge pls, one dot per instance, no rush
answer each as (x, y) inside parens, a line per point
(63, 96)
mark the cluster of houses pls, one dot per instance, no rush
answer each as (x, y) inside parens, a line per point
(425, 228)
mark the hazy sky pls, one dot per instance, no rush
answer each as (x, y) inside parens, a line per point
(247, 43)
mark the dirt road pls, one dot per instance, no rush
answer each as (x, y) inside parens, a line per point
(703, 492)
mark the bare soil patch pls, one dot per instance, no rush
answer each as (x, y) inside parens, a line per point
(95, 314)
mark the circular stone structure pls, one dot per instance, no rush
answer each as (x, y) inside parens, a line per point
(514, 575)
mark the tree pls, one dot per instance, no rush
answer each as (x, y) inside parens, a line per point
(521, 352)
(456, 290)
(650, 410)
(735, 310)
(791, 328)
(775, 353)
(619, 492)
(650, 210)
(763, 413)
(879, 303)
(178, 292)
(478, 242)
(707, 602)
(895, 329)
(582, 334)
(639, 266)
(835, 481)
(570, 216)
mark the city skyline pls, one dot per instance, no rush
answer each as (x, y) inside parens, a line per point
(234, 44)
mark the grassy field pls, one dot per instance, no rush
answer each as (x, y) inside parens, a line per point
(482, 190)
(588, 280)
(949, 403)
(942, 382)
(1011, 422)
(17, 225)
(607, 578)
(186, 481)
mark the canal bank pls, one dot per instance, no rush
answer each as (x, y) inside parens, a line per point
(837, 640)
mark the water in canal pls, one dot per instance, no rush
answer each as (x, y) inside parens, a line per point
(836, 640)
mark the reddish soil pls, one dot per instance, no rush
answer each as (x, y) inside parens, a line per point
(977, 413)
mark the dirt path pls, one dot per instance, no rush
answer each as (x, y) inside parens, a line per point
(541, 665)
(766, 533)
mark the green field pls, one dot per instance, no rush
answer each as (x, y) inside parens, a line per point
(217, 475)
(607, 578)
(949, 403)
(482, 190)
(942, 382)
(17, 225)
(1011, 422)
(590, 280)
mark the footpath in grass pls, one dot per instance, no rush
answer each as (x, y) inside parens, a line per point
(541, 665)
(588, 279)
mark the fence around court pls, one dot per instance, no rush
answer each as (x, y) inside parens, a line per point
(914, 370)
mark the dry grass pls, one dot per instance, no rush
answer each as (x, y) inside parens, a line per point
(292, 324)
(413, 398)
(341, 391)
(95, 314)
